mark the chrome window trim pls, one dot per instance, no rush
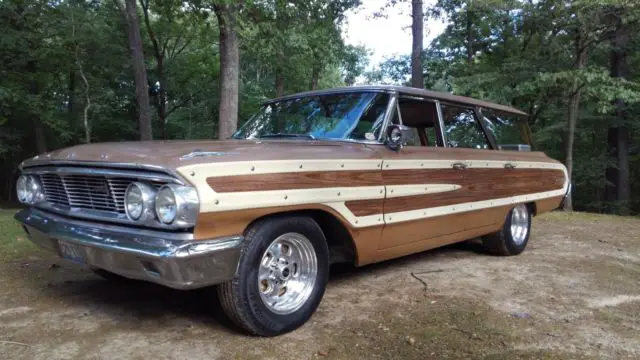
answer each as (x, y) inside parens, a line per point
(391, 107)
(443, 136)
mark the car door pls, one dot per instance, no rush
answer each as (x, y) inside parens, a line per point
(426, 183)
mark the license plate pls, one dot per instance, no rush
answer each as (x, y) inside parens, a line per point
(71, 252)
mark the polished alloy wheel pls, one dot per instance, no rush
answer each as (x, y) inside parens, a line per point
(288, 272)
(519, 223)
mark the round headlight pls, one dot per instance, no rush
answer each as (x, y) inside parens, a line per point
(166, 206)
(34, 193)
(133, 202)
(21, 189)
(138, 201)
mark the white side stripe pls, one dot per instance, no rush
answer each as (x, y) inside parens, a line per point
(464, 207)
(419, 189)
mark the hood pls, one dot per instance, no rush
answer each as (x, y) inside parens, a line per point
(174, 154)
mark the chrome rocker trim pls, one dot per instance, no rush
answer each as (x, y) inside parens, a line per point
(170, 259)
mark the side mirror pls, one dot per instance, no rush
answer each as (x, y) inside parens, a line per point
(397, 136)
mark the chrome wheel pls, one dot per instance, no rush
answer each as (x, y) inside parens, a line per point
(519, 223)
(288, 272)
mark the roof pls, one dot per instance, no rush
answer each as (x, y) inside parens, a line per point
(441, 96)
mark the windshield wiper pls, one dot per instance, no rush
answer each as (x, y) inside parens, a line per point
(281, 135)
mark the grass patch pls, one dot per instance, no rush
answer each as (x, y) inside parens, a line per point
(14, 243)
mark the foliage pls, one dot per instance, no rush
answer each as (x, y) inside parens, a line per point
(47, 47)
(524, 53)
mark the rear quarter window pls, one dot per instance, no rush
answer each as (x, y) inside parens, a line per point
(508, 130)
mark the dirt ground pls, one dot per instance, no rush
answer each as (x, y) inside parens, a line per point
(573, 294)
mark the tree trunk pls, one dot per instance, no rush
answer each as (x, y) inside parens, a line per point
(38, 126)
(279, 82)
(229, 69)
(574, 107)
(417, 30)
(315, 77)
(617, 190)
(159, 54)
(469, 37)
(139, 70)
(72, 91)
(162, 99)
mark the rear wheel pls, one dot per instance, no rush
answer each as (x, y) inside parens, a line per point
(512, 239)
(281, 277)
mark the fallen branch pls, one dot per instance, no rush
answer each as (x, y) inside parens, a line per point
(415, 276)
(14, 343)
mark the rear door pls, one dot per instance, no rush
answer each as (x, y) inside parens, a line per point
(426, 182)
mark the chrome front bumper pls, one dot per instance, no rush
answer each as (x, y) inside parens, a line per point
(171, 259)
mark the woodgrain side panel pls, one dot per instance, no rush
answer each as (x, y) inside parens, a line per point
(436, 227)
(476, 185)
(366, 207)
(294, 180)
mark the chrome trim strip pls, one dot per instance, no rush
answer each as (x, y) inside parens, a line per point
(329, 92)
(109, 173)
(391, 107)
(171, 259)
(40, 160)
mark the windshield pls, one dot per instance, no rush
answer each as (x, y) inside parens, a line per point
(353, 115)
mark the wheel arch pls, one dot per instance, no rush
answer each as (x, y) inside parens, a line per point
(342, 248)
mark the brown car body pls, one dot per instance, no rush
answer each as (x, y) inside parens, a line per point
(373, 203)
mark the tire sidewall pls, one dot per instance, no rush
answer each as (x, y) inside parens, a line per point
(510, 243)
(269, 322)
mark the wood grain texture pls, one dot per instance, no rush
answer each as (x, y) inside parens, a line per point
(476, 185)
(295, 180)
(365, 207)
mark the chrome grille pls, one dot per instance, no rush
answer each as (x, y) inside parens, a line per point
(86, 191)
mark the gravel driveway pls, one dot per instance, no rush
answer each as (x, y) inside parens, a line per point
(574, 293)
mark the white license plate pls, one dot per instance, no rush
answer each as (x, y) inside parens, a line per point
(71, 252)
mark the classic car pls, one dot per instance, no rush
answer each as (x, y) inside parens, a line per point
(360, 175)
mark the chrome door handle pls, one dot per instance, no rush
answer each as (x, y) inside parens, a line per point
(509, 166)
(459, 166)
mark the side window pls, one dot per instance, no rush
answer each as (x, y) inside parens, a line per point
(462, 129)
(414, 139)
(507, 129)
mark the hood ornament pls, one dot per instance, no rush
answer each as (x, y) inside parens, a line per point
(200, 153)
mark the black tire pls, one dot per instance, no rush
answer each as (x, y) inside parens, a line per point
(240, 298)
(502, 243)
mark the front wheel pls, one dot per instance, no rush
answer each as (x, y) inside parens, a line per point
(281, 276)
(512, 239)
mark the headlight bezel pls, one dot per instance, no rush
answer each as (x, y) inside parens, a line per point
(148, 196)
(186, 202)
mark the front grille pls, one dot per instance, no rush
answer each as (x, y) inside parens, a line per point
(94, 192)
